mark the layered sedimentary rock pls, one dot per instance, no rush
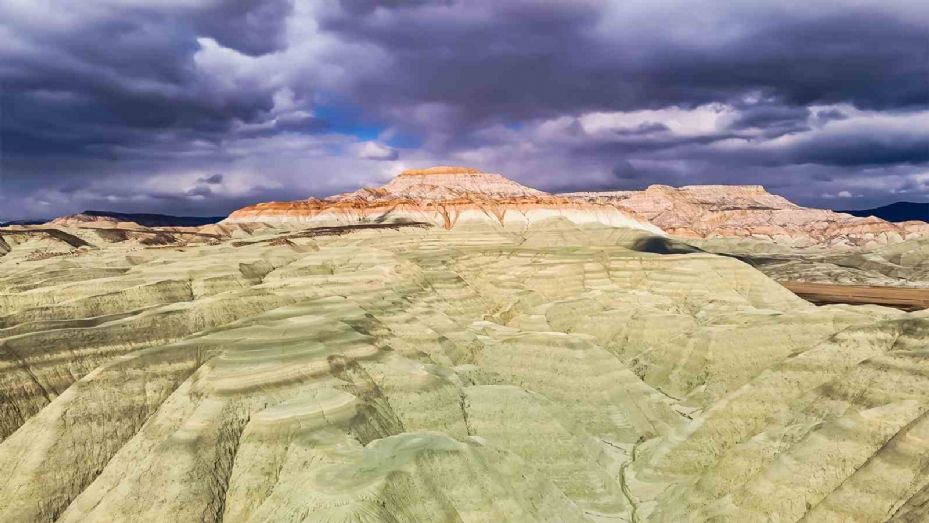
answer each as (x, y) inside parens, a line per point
(551, 373)
(702, 211)
(89, 220)
(449, 196)
(370, 358)
(444, 196)
(36, 242)
(901, 264)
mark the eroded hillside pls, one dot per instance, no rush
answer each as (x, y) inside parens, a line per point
(559, 373)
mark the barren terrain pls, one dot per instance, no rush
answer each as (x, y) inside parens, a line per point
(558, 372)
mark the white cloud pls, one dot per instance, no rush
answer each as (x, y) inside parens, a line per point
(377, 151)
(702, 120)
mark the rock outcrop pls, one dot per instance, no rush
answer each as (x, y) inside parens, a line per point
(449, 196)
(443, 196)
(705, 211)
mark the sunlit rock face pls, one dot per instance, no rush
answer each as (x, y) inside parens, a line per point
(447, 183)
(706, 211)
(86, 220)
(444, 196)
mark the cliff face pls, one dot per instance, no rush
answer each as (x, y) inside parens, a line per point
(444, 196)
(706, 211)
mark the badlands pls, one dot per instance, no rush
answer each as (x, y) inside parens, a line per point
(454, 346)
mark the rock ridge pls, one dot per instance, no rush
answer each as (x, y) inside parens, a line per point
(444, 196)
(749, 211)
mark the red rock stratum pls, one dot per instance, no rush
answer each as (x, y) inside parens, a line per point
(445, 196)
(749, 211)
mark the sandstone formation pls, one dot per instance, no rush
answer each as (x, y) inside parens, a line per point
(444, 196)
(552, 373)
(450, 196)
(702, 211)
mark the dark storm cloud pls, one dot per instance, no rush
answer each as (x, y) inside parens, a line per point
(862, 151)
(98, 74)
(774, 119)
(827, 115)
(253, 27)
(279, 94)
(513, 60)
(624, 170)
(212, 179)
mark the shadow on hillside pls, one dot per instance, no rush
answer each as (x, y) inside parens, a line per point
(661, 245)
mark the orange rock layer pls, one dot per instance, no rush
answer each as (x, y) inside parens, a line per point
(440, 169)
(448, 196)
(749, 211)
(444, 196)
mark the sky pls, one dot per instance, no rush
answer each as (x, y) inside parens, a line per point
(199, 107)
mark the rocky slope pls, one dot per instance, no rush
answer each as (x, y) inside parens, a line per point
(444, 196)
(901, 264)
(704, 211)
(551, 373)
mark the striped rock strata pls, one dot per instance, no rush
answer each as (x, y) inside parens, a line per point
(704, 211)
(557, 374)
(444, 196)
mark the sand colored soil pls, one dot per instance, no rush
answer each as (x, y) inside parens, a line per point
(550, 373)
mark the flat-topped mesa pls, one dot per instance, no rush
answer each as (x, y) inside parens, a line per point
(447, 183)
(444, 196)
(440, 169)
(706, 211)
(749, 196)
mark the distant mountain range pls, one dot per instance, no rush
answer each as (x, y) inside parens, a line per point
(897, 212)
(21, 222)
(158, 220)
(145, 220)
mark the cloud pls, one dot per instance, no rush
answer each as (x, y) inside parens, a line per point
(624, 170)
(103, 97)
(377, 151)
(200, 191)
(213, 179)
(529, 59)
